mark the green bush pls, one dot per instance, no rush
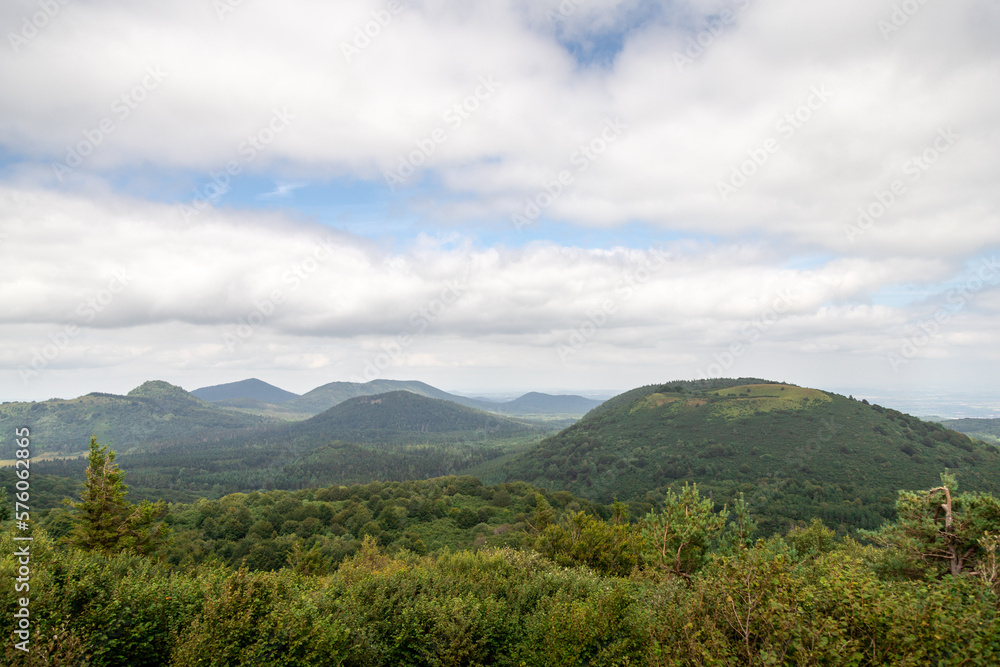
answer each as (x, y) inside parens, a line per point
(265, 619)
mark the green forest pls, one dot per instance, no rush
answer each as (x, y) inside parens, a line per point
(716, 522)
(796, 453)
(450, 571)
(151, 412)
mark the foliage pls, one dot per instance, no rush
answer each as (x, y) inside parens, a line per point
(117, 609)
(940, 531)
(153, 412)
(795, 453)
(261, 619)
(678, 537)
(983, 429)
(610, 548)
(812, 540)
(314, 530)
(105, 521)
(763, 606)
(803, 599)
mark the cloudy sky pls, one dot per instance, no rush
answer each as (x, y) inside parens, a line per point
(499, 195)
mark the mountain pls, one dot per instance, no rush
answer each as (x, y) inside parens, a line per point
(263, 399)
(793, 450)
(394, 436)
(403, 416)
(983, 429)
(325, 397)
(535, 403)
(154, 411)
(252, 390)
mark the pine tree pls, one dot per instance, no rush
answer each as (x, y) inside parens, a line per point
(939, 530)
(105, 521)
(679, 538)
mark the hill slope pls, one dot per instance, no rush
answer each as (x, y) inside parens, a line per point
(394, 436)
(252, 389)
(267, 400)
(151, 412)
(535, 403)
(789, 446)
(406, 416)
(984, 429)
(327, 396)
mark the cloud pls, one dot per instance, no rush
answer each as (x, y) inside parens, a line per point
(691, 126)
(771, 146)
(141, 287)
(282, 190)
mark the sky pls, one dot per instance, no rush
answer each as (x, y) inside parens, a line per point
(500, 195)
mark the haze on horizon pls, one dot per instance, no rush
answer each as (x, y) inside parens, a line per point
(501, 196)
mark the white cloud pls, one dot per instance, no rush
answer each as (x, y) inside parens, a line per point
(206, 85)
(687, 129)
(145, 291)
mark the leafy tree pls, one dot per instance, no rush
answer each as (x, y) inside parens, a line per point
(939, 531)
(679, 537)
(740, 530)
(543, 515)
(4, 505)
(307, 561)
(466, 518)
(609, 548)
(811, 541)
(105, 520)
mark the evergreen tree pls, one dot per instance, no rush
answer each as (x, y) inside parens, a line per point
(543, 515)
(679, 538)
(940, 531)
(105, 520)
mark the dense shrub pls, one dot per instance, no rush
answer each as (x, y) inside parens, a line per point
(593, 594)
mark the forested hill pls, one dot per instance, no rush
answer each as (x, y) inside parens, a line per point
(332, 394)
(257, 396)
(678, 386)
(547, 404)
(252, 389)
(403, 414)
(153, 411)
(395, 436)
(984, 429)
(818, 452)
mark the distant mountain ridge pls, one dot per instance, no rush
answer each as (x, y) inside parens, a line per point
(252, 389)
(333, 393)
(397, 435)
(253, 395)
(546, 404)
(406, 415)
(153, 411)
(158, 411)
